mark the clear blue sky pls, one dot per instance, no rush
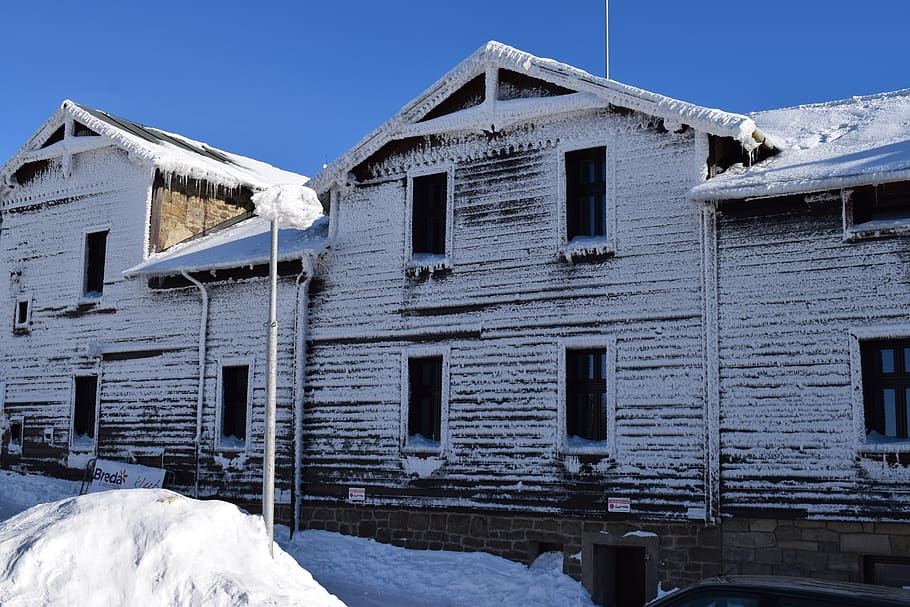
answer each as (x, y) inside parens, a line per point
(297, 83)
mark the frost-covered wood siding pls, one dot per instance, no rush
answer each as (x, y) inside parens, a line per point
(505, 312)
(791, 292)
(142, 343)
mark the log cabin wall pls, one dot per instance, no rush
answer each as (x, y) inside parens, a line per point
(795, 299)
(503, 315)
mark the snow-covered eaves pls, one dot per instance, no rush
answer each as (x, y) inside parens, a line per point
(168, 152)
(245, 244)
(592, 91)
(825, 146)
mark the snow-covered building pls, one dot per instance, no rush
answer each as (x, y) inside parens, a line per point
(812, 404)
(132, 273)
(549, 312)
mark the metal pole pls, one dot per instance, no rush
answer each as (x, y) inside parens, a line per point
(268, 461)
(606, 38)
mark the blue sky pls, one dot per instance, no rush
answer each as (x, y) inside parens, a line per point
(297, 83)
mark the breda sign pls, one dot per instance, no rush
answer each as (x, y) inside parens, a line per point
(117, 475)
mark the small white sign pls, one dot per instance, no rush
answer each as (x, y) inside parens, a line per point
(619, 504)
(117, 475)
(357, 494)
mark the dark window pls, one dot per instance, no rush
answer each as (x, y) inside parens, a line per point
(15, 435)
(21, 316)
(425, 405)
(886, 387)
(885, 201)
(586, 387)
(54, 138)
(586, 193)
(428, 225)
(234, 391)
(95, 249)
(84, 408)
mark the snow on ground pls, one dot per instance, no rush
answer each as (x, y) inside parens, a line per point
(155, 547)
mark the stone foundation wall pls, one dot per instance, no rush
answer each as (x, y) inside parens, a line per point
(821, 549)
(686, 551)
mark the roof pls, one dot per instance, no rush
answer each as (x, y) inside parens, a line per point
(169, 152)
(592, 91)
(245, 244)
(824, 146)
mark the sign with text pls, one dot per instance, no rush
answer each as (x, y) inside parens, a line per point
(117, 475)
(619, 504)
(357, 494)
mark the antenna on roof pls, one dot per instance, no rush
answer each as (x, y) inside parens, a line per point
(606, 38)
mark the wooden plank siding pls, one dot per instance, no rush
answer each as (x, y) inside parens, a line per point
(148, 401)
(503, 310)
(791, 291)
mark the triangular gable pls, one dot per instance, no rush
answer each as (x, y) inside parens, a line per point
(499, 85)
(74, 128)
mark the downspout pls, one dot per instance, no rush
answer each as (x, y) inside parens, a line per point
(200, 393)
(300, 330)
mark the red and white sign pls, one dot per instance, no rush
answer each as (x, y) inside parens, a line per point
(619, 504)
(357, 494)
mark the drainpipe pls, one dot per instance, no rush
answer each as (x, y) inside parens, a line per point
(200, 394)
(300, 319)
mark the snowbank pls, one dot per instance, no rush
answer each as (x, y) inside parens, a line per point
(146, 547)
(367, 573)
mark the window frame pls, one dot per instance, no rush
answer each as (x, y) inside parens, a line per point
(88, 448)
(429, 263)
(858, 336)
(582, 247)
(15, 447)
(219, 410)
(407, 355)
(84, 294)
(869, 229)
(22, 325)
(607, 447)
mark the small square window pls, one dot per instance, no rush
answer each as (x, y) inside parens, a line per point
(22, 315)
(886, 389)
(586, 403)
(85, 402)
(425, 395)
(93, 275)
(234, 406)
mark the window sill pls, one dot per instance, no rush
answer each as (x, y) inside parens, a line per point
(584, 248)
(428, 264)
(89, 306)
(878, 228)
(21, 330)
(422, 464)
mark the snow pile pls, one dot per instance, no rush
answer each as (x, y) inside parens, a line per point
(367, 573)
(146, 547)
(291, 204)
(20, 492)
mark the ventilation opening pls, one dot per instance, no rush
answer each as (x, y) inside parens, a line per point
(54, 138)
(513, 85)
(619, 576)
(31, 170)
(80, 130)
(470, 95)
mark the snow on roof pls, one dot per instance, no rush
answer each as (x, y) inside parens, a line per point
(169, 152)
(244, 244)
(824, 146)
(495, 54)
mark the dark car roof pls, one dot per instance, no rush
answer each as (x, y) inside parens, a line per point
(859, 595)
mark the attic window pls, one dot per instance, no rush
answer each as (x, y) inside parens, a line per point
(875, 211)
(54, 138)
(80, 130)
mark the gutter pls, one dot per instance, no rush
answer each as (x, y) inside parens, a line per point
(200, 394)
(300, 330)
